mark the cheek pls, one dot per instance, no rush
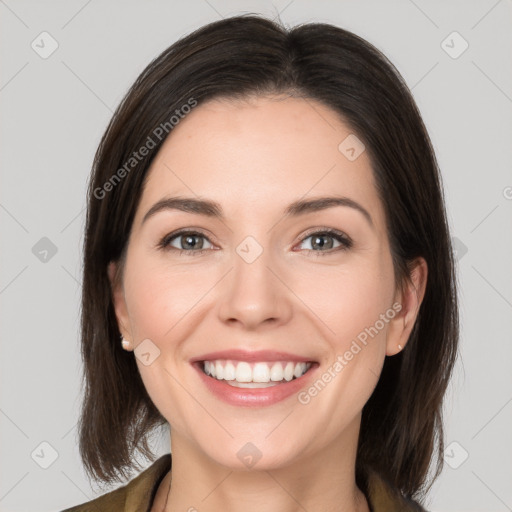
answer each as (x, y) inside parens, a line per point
(159, 297)
(159, 300)
(348, 299)
(356, 306)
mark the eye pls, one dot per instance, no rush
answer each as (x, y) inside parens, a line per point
(318, 241)
(188, 240)
(192, 242)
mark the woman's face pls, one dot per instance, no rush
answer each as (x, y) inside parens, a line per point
(260, 279)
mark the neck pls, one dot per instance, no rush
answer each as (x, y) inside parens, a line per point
(322, 481)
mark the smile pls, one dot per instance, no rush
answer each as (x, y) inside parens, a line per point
(254, 379)
(244, 374)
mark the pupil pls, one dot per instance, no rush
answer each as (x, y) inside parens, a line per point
(187, 241)
(321, 244)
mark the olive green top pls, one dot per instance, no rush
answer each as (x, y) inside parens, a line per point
(138, 495)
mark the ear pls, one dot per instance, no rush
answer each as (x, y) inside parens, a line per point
(119, 301)
(410, 299)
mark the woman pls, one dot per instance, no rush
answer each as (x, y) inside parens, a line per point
(268, 269)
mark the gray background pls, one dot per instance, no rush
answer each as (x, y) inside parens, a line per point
(54, 111)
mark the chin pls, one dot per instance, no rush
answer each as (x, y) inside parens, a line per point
(260, 454)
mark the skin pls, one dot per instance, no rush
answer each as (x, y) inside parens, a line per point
(255, 157)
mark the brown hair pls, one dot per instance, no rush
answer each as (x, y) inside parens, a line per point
(235, 58)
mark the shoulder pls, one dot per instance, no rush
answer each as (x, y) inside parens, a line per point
(383, 497)
(137, 495)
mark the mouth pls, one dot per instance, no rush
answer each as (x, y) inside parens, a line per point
(254, 378)
(261, 374)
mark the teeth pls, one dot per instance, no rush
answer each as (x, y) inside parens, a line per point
(219, 370)
(276, 372)
(243, 372)
(299, 370)
(237, 384)
(246, 374)
(261, 373)
(288, 371)
(229, 371)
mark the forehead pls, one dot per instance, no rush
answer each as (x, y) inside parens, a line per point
(259, 155)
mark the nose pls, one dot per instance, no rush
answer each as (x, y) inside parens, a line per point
(255, 294)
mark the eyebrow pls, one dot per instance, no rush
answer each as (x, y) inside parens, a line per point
(213, 209)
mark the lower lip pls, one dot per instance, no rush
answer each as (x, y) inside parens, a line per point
(254, 397)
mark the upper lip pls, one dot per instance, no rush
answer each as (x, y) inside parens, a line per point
(257, 355)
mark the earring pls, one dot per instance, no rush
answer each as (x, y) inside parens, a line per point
(125, 344)
(399, 347)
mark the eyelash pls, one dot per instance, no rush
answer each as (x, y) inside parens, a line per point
(345, 241)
